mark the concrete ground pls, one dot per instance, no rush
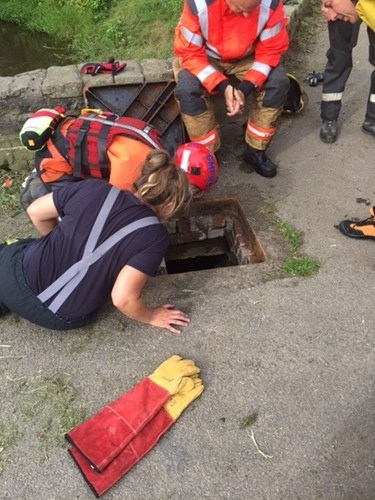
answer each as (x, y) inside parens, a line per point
(297, 353)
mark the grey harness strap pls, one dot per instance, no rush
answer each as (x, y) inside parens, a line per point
(70, 279)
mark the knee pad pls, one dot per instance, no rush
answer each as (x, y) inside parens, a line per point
(276, 88)
(190, 94)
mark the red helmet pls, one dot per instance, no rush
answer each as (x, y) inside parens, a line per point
(199, 164)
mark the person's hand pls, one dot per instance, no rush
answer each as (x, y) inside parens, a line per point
(166, 316)
(234, 100)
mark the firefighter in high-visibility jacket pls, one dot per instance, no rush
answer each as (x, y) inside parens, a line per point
(219, 42)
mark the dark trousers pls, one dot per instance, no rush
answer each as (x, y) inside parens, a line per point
(17, 296)
(343, 37)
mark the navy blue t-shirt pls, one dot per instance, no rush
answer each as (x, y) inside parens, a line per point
(78, 205)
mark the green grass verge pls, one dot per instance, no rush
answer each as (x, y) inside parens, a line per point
(296, 264)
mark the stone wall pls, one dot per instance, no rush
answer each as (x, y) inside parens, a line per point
(64, 85)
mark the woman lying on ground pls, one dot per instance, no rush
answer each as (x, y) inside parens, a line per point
(108, 243)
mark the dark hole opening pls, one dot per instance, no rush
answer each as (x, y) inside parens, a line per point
(197, 263)
(199, 255)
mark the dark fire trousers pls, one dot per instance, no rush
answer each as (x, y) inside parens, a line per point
(17, 296)
(343, 37)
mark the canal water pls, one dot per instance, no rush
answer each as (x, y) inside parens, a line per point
(22, 50)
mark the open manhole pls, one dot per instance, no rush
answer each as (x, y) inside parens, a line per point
(214, 233)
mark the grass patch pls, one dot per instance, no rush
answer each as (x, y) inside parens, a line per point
(9, 435)
(50, 403)
(296, 264)
(291, 235)
(267, 207)
(300, 266)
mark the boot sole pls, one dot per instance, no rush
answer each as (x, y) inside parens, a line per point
(269, 176)
(328, 140)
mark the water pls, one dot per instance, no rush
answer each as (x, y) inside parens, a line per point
(22, 50)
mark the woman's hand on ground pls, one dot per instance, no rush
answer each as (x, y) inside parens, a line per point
(166, 316)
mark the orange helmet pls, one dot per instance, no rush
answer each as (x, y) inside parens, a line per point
(199, 163)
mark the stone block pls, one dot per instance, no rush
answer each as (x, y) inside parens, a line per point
(5, 86)
(156, 70)
(131, 74)
(62, 82)
(27, 85)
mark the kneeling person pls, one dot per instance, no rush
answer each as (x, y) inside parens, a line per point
(108, 243)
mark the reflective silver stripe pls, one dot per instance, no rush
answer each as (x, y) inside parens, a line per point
(264, 14)
(201, 6)
(271, 32)
(332, 97)
(209, 140)
(372, 98)
(262, 68)
(191, 37)
(263, 135)
(212, 53)
(205, 73)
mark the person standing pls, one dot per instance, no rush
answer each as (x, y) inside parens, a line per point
(232, 48)
(343, 29)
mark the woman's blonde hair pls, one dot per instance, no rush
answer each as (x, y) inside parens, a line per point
(162, 181)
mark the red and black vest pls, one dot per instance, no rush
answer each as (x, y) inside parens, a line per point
(86, 141)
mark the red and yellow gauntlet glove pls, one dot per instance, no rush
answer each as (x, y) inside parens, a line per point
(143, 442)
(101, 438)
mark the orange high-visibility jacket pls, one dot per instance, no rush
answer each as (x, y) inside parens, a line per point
(208, 28)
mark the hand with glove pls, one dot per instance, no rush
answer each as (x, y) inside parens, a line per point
(102, 437)
(142, 443)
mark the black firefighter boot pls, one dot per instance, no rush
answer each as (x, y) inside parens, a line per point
(328, 131)
(260, 162)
